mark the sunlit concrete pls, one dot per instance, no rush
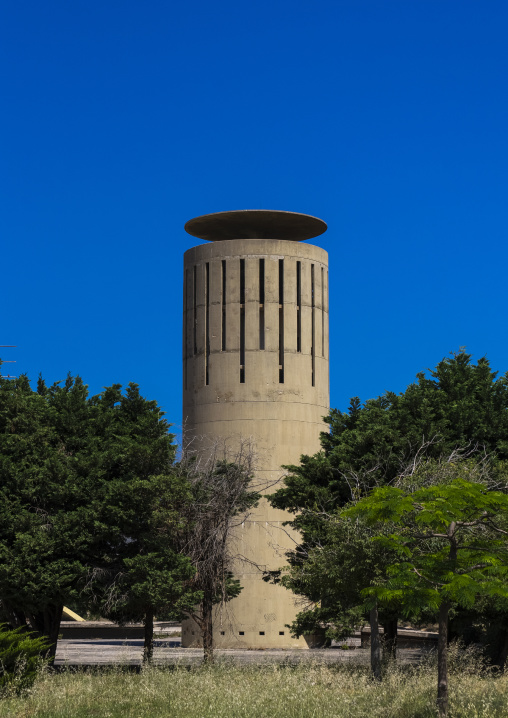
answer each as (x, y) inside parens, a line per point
(256, 365)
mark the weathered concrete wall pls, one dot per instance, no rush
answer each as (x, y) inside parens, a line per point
(255, 355)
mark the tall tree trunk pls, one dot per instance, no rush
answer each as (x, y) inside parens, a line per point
(375, 644)
(52, 620)
(207, 612)
(148, 644)
(47, 624)
(442, 661)
(390, 637)
(502, 653)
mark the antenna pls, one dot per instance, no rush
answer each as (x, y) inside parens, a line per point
(8, 361)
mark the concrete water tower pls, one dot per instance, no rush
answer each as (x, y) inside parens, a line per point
(255, 364)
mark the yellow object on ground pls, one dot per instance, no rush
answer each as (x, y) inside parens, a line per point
(70, 615)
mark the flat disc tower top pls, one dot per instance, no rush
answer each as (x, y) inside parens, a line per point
(255, 224)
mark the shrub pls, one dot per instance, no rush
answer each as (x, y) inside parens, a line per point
(20, 659)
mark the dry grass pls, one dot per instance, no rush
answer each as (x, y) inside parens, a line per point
(226, 691)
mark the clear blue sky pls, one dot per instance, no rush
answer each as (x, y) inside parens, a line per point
(121, 120)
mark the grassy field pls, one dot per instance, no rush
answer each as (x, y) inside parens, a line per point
(226, 691)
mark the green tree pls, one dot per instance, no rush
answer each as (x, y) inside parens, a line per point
(20, 659)
(451, 540)
(458, 404)
(484, 624)
(43, 543)
(151, 577)
(79, 478)
(143, 498)
(332, 577)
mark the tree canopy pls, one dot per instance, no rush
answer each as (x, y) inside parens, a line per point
(82, 480)
(449, 541)
(457, 404)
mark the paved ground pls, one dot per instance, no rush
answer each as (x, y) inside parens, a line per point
(168, 651)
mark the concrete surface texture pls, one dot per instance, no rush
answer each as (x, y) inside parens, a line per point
(255, 366)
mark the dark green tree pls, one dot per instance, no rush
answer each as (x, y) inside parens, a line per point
(332, 576)
(20, 659)
(143, 500)
(79, 479)
(151, 578)
(458, 404)
(485, 624)
(44, 544)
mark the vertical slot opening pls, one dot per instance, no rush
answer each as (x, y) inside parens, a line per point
(313, 328)
(281, 321)
(242, 281)
(223, 300)
(261, 281)
(194, 311)
(261, 303)
(207, 321)
(281, 282)
(242, 345)
(261, 327)
(327, 298)
(322, 312)
(298, 306)
(242, 321)
(185, 325)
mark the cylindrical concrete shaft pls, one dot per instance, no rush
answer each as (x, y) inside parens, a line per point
(256, 360)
